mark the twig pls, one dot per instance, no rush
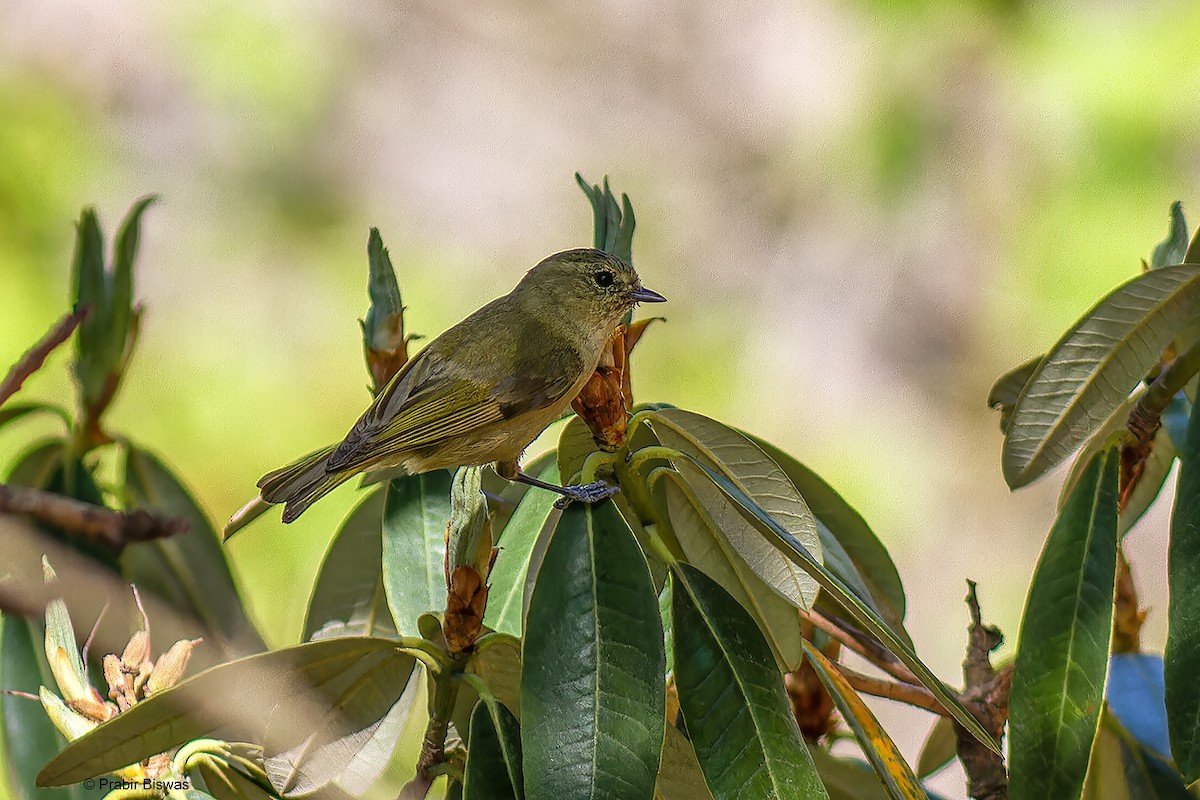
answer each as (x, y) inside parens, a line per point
(33, 359)
(1146, 415)
(1128, 618)
(114, 529)
(986, 696)
(869, 650)
(908, 693)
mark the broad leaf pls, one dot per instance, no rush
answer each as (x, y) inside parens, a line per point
(1183, 634)
(517, 542)
(15, 411)
(1093, 368)
(592, 689)
(1122, 768)
(276, 699)
(1006, 391)
(893, 771)
(732, 697)
(745, 465)
(415, 515)
(188, 570)
(225, 781)
(575, 444)
(847, 778)
(38, 464)
(1062, 656)
(498, 662)
(348, 597)
(940, 748)
(843, 528)
(351, 745)
(680, 776)
(494, 755)
(858, 612)
(698, 531)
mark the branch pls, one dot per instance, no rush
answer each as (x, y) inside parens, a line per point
(1146, 415)
(986, 696)
(869, 650)
(917, 696)
(33, 359)
(114, 529)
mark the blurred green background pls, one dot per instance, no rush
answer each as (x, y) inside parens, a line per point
(861, 211)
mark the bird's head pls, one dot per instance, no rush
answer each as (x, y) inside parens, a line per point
(589, 285)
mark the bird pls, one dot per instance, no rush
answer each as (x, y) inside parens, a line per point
(483, 390)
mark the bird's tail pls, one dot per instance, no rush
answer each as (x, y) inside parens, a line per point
(301, 484)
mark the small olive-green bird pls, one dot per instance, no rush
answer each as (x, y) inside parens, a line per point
(482, 391)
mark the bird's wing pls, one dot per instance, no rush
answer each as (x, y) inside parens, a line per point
(431, 400)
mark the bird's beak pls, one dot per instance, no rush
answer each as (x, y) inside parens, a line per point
(644, 295)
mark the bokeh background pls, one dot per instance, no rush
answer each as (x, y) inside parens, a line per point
(862, 212)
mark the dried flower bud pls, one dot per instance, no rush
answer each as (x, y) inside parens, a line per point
(171, 666)
(94, 710)
(137, 652)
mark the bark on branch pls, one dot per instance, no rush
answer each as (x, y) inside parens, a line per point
(33, 359)
(113, 529)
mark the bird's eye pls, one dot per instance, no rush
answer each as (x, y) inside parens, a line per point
(604, 278)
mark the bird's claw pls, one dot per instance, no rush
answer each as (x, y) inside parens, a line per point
(587, 493)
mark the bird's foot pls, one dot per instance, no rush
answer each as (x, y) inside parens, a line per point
(587, 493)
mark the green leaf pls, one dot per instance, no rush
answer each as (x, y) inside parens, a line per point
(592, 686)
(847, 778)
(224, 781)
(38, 464)
(14, 411)
(498, 663)
(742, 463)
(415, 514)
(91, 291)
(189, 570)
(120, 292)
(893, 771)
(838, 522)
(528, 523)
(348, 597)
(613, 223)
(1093, 368)
(732, 697)
(353, 741)
(1172, 249)
(1008, 387)
(494, 756)
(29, 738)
(282, 697)
(698, 532)
(575, 444)
(680, 776)
(858, 612)
(940, 748)
(1122, 768)
(1062, 656)
(1183, 633)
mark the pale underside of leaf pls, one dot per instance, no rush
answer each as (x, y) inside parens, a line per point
(1094, 367)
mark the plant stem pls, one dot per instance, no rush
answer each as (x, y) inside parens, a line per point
(908, 693)
(1146, 415)
(441, 706)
